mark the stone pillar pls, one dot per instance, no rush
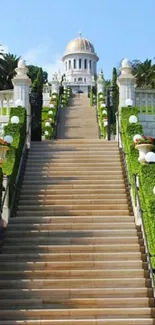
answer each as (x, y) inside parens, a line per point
(65, 83)
(100, 83)
(22, 83)
(55, 84)
(126, 83)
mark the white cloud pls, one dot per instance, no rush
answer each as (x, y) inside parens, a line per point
(40, 56)
(4, 48)
(35, 55)
(56, 65)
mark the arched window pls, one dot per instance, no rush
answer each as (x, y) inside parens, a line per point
(74, 63)
(90, 64)
(94, 66)
(69, 64)
(80, 63)
(85, 80)
(85, 63)
(80, 79)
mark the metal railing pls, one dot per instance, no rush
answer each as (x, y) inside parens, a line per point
(15, 185)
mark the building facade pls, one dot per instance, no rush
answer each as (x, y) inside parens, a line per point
(80, 64)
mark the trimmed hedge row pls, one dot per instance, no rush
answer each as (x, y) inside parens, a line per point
(18, 132)
(146, 175)
(102, 115)
(49, 114)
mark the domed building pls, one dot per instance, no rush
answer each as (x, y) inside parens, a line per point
(80, 64)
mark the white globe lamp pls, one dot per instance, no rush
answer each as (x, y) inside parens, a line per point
(129, 102)
(103, 105)
(15, 120)
(47, 124)
(137, 137)
(8, 139)
(150, 157)
(46, 133)
(50, 112)
(133, 119)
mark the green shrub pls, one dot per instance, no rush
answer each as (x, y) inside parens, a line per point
(146, 174)
(18, 132)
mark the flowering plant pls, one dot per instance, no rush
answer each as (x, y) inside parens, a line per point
(144, 140)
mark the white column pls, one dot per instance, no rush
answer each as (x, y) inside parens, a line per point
(100, 83)
(22, 83)
(126, 83)
(55, 84)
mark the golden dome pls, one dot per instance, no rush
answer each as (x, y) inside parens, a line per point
(80, 45)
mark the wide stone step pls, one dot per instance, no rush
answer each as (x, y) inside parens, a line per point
(73, 206)
(56, 232)
(39, 221)
(63, 265)
(75, 153)
(85, 321)
(52, 314)
(25, 283)
(77, 293)
(55, 302)
(75, 257)
(74, 190)
(73, 201)
(76, 159)
(45, 240)
(81, 169)
(71, 196)
(84, 274)
(72, 212)
(82, 174)
(62, 164)
(74, 181)
(109, 187)
(113, 248)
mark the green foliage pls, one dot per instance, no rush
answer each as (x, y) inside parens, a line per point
(8, 64)
(46, 117)
(115, 95)
(18, 132)
(146, 174)
(33, 72)
(102, 117)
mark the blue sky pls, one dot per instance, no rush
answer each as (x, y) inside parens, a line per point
(40, 30)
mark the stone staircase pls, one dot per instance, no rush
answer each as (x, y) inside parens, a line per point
(78, 120)
(73, 255)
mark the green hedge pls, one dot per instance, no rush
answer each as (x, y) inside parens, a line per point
(102, 115)
(18, 132)
(146, 174)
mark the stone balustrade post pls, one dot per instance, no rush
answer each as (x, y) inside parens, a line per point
(22, 83)
(100, 83)
(126, 83)
(55, 84)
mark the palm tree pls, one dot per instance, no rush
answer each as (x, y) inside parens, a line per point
(8, 64)
(144, 73)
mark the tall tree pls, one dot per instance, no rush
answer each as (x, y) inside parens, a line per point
(33, 73)
(144, 73)
(8, 64)
(115, 93)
